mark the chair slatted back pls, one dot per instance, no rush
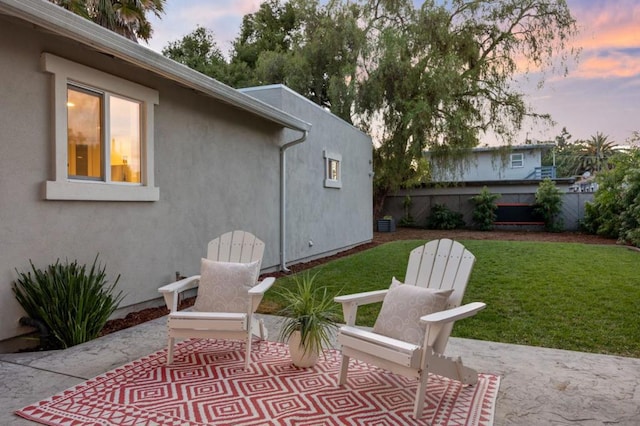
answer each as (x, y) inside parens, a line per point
(441, 264)
(236, 246)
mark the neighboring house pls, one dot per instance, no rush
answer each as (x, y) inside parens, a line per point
(487, 164)
(108, 147)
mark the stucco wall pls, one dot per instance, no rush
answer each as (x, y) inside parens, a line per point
(217, 169)
(326, 217)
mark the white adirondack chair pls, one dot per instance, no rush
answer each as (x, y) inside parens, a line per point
(439, 264)
(237, 247)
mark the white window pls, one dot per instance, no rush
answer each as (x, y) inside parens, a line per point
(103, 131)
(332, 170)
(517, 160)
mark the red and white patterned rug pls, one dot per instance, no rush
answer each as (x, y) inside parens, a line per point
(207, 385)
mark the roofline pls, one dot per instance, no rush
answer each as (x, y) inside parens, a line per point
(60, 21)
(514, 147)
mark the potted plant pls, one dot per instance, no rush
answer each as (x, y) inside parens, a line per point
(310, 318)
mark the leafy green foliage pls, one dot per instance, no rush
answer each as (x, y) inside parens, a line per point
(549, 205)
(309, 309)
(615, 210)
(484, 213)
(125, 17)
(542, 294)
(407, 220)
(442, 217)
(72, 302)
(440, 74)
(199, 51)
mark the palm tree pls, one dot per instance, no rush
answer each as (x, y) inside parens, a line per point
(595, 153)
(125, 17)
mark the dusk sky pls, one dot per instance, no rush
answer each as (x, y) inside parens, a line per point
(600, 94)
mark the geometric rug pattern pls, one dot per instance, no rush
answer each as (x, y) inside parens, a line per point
(207, 385)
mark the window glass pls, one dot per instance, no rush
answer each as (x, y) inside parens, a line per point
(517, 160)
(333, 170)
(84, 137)
(124, 126)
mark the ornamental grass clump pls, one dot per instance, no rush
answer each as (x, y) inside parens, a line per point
(69, 302)
(309, 309)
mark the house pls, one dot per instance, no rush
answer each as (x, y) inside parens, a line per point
(488, 164)
(109, 148)
(513, 172)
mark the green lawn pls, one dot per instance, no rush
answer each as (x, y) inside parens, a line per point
(557, 295)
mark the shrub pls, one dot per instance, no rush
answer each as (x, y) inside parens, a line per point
(484, 213)
(548, 205)
(441, 217)
(615, 210)
(73, 305)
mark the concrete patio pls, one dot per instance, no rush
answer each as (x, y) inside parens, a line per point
(539, 386)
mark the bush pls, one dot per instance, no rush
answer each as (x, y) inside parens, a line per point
(548, 205)
(615, 210)
(72, 304)
(484, 213)
(441, 217)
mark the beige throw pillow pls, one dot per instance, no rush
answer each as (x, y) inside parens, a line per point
(402, 308)
(224, 285)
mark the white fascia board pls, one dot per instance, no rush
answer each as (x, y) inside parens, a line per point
(60, 21)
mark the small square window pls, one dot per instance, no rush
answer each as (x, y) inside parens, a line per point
(332, 170)
(517, 160)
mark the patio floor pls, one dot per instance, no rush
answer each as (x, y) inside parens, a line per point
(539, 386)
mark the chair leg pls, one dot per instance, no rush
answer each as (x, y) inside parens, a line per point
(420, 395)
(344, 369)
(170, 350)
(247, 355)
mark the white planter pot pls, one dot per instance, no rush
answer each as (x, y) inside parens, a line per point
(298, 355)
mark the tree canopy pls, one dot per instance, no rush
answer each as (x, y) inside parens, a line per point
(125, 17)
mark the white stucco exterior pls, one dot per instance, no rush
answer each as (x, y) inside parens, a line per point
(216, 164)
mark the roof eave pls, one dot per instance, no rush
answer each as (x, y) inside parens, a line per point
(60, 21)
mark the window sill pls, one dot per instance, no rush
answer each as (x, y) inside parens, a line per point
(87, 191)
(332, 184)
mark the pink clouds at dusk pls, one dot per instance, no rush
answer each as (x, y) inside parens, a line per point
(601, 92)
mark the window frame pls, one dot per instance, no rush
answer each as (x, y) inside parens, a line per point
(328, 158)
(62, 187)
(514, 161)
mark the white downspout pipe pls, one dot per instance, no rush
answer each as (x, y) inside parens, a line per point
(283, 198)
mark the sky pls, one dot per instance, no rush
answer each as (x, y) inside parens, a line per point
(601, 92)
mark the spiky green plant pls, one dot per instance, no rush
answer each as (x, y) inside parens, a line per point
(484, 213)
(309, 309)
(72, 303)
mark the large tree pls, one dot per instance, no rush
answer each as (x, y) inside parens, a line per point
(199, 51)
(311, 48)
(440, 75)
(125, 17)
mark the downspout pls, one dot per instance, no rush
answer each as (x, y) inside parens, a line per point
(283, 198)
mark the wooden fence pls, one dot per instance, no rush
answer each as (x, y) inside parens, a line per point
(459, 200)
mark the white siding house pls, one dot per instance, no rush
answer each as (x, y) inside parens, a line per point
(487, 164)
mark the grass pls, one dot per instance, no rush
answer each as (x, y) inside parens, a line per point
(557, 295)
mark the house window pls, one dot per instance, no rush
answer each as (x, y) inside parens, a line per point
(332, 170)
(103, 133)
(517, 160)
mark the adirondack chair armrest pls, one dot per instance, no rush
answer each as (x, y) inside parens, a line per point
(350, 303)
(454, 314)
(262, 286)
(171, 291)
(362, 298)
